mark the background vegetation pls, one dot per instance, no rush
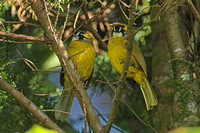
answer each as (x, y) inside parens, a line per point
(166, 31)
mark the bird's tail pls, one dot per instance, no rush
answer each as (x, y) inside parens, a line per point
(148, 94)
(65, 102)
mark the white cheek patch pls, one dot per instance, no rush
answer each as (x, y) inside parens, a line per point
(74, 38)
(119, 34)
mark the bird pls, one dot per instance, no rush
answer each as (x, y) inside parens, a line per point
(137, 69)
(82, 54)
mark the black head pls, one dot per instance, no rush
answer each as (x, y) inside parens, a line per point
(79, 35)
(119, 29)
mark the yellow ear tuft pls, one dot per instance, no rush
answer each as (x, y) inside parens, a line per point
(87, 35)
(111, 27)
(125, 27)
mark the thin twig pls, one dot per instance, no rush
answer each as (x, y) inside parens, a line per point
(107, 82)
(106, 102)
(3, 25)
(17, 42)
(20, 22)
(55, 24)
(3, 47)
(111, 86)
(193, 9)
(148, 125)
(27, 61)
(124, 4)
(45, 110)
(35, 39)
(106, 120)
(122, 10)
(76, 19)
(65, 23)
(157, 17)
(66, 89)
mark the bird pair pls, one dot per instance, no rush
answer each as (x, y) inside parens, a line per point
(83, 56)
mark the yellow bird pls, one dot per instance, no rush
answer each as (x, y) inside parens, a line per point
(83, 55)
(137, 69)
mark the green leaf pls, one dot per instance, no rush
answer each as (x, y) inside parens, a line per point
(39, 129)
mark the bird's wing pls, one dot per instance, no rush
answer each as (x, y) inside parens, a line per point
(137, 54)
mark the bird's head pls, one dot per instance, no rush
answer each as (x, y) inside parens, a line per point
(81, 36)
(119, 30)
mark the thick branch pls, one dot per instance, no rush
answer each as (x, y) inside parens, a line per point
(184, 114)
(21, 37)
(59, 48)
(29, 105)
(130, 44)
(162, 78)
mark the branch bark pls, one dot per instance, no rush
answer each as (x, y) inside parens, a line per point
(193, 9)
(20, 22)
(21, 37)
(185, 105)
(122, 80)
(29, 105)
(162, 77)
(59, 48)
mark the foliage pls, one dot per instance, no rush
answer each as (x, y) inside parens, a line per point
(30, 83)
(39, 129)
(186, 130)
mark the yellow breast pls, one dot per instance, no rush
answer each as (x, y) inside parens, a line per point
(83, 56)
(117, 54)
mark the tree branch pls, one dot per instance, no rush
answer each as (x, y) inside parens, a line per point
(59, 48)
(193, 9)
(184, 95)
(122, 80)
(29, 105)
(162, 67)
(21, 37)
(20, 22)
